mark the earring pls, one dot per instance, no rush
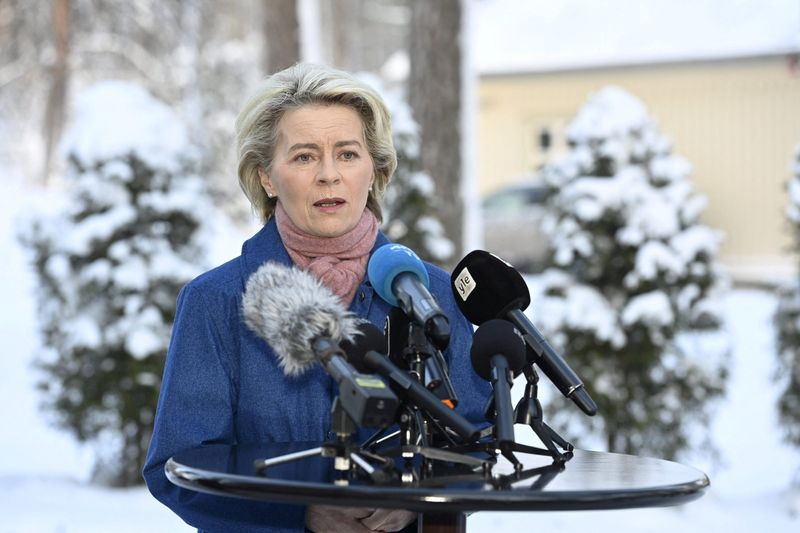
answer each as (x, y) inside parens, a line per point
(269, 194)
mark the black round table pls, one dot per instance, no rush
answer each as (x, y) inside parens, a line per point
(588, 481)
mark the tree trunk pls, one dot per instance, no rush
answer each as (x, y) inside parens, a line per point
(281, 35)
(435, 96)
(346, 17)
(59, 73)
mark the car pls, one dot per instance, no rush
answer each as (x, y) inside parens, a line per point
(512, 225)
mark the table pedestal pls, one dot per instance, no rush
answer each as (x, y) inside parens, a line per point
(442, 523)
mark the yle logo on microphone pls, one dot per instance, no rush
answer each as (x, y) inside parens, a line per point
(464, 284)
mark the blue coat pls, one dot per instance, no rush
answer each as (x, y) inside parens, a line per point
(222, 384)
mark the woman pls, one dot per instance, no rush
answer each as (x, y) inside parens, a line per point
(315, 156)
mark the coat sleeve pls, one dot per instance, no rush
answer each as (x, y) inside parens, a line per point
(197, 406)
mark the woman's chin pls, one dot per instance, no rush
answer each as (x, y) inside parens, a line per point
(329, 230)
(333, 224)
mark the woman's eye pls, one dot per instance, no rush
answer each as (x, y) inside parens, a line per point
(348, 156)
(303, 158)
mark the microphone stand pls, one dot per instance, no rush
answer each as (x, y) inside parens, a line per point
(543, 476)
(415, 432)
(347, 458)
(529, 411)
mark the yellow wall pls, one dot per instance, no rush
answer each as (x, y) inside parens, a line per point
(736, 121)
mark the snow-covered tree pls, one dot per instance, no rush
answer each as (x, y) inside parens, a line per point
(632, 273)
(787, 321)
(110, 264)
(411, 205)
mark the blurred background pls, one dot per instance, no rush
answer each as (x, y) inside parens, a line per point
(638, 161)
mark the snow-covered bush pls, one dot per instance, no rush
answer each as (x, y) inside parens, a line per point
(410, 203)
(787, 321)
(110, 264)
(632, 270)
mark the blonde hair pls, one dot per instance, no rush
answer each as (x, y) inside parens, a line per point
(303, 84)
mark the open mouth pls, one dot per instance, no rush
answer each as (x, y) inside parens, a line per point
(329, 202)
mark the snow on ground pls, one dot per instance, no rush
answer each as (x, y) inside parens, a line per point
(43, 473)
(34, 504)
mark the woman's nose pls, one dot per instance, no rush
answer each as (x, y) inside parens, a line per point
(328, 172)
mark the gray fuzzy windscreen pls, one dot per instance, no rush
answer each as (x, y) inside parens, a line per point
(289, 308)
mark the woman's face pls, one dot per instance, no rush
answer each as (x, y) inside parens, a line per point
(321, 171)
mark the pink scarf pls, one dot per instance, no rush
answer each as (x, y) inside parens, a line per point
(339, 262)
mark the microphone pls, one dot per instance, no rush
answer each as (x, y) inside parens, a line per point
(304, 322)
(405, 343)
(365, 354)
(486, 287)
(400, 278)
(498, 352)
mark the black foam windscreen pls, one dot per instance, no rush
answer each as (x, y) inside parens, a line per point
(486, 287)
(497, 337)
(369, 338)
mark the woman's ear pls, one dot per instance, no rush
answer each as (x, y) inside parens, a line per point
(265, 182)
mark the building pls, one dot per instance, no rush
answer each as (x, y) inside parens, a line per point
(732, 111)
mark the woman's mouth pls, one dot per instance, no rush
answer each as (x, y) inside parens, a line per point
(329, 202)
